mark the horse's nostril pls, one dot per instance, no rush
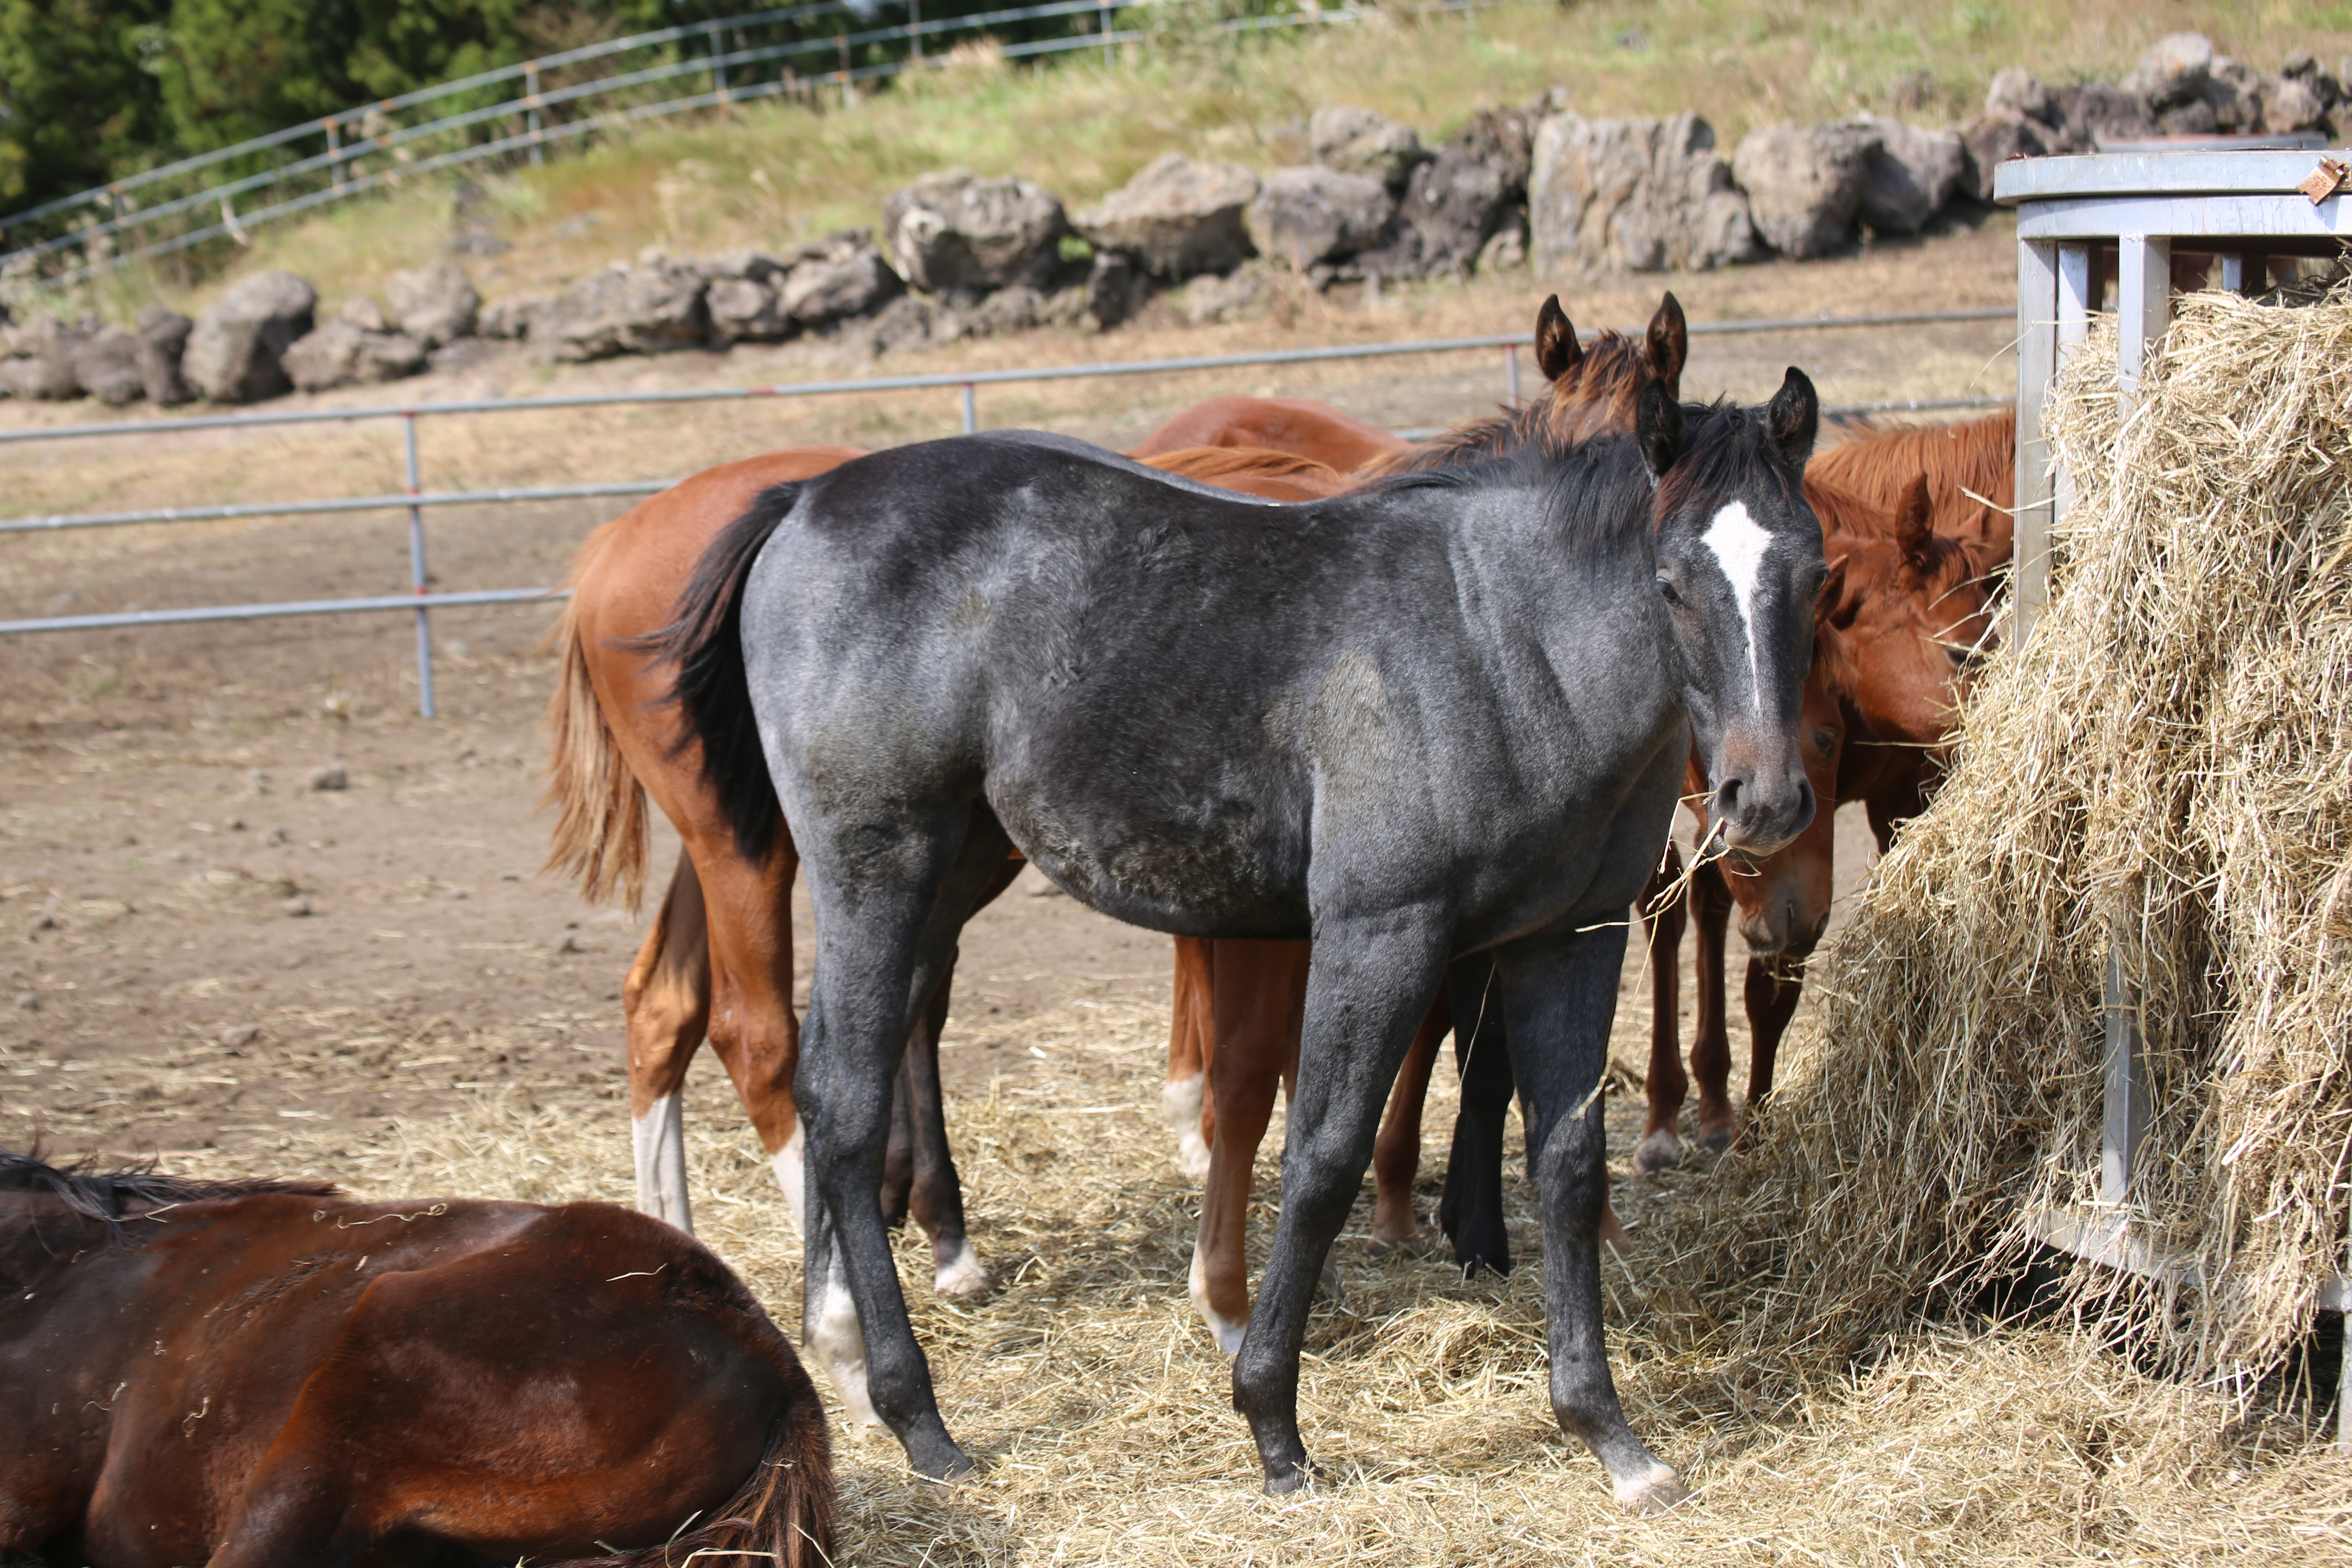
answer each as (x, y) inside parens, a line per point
(1726, 798)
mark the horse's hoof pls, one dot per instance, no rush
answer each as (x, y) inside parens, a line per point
(940, 1460)
(1654, 1491)
(1411, 1245)
(1661, 1151)
(962, 1275)
(1715, 1141)
(1301, 1477)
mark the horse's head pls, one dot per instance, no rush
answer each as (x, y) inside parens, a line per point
(1903, 618)
(1738, 570)
(1595, 391)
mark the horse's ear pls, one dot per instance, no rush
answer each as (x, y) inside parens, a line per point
(1793, 419)
(1658, 428)
(1831, 598)
(1557, 350)
(1914, 524)
(1838, 606)
(1669, 344)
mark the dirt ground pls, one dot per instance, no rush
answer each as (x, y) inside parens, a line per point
(204, 951)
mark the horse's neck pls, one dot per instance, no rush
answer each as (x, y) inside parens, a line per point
(1572, 624)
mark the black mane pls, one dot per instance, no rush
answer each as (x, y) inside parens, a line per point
(101, 1195)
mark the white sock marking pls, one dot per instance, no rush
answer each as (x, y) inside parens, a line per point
(1180, 1102)
(1740, 546)
(1227, 1334)
(962, 1276)
(839, 1346)
(657, 1138)
(789, 1176)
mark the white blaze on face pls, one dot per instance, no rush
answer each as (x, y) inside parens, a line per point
(1740, 546)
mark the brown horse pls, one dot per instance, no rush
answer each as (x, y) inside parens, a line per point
(1963, 460)
(255, 1374)
(1299, 425)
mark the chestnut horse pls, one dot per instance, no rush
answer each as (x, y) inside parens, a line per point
(255, 1374)
(1902, 601)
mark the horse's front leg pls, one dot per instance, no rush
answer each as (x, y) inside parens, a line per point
(1368, 985)
(1559, 995)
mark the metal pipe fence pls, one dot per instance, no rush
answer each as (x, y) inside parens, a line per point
(415, 500)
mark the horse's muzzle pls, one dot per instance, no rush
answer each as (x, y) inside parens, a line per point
(1759, 811)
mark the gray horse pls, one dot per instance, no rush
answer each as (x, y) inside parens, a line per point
(1444, 715)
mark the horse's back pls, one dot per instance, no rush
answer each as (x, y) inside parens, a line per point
(371, 1364)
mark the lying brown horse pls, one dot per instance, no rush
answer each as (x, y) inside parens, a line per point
(255, 1374)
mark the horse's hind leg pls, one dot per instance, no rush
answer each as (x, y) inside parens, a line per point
(889, 899)
(898, 1190)
(753, 1027)
(1396, 1157)
(1471, 1211)
(1664, 914)
(1711, 1047)
(1190, 1021)
(665, 1002)
(936, 1190)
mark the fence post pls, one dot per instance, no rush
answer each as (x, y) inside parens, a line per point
(848, 100)
(915, 29)
(533, 120)
(970, 418)
(417, 577)
(718, 61)
(1110, 50)
(1511, 373)
(335, 151)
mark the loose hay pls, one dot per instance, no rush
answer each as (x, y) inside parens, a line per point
(1103, 1417)
(2169, 762)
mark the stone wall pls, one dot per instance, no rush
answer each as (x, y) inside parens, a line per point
(1365, 199)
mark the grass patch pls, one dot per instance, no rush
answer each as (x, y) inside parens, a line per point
(772, 173)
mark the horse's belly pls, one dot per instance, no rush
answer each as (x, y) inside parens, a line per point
(1216, 871)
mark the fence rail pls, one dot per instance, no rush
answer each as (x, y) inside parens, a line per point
(341, 162)
(416, 500)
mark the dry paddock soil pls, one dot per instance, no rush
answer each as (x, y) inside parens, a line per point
(213, 963)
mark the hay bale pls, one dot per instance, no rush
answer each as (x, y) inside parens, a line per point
(2167, 759)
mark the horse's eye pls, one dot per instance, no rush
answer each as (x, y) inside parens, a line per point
(1823, 740)
(1667, 589)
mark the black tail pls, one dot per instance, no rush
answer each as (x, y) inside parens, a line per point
(706, 642)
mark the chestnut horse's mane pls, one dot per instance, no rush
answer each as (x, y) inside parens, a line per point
(1594, 394)
(102, 1195)
(1978, 454)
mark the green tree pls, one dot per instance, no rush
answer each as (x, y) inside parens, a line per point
(80, 101)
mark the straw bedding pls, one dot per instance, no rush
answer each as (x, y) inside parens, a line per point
(1103, 1417)
(2168, 762)
(2168, 759)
